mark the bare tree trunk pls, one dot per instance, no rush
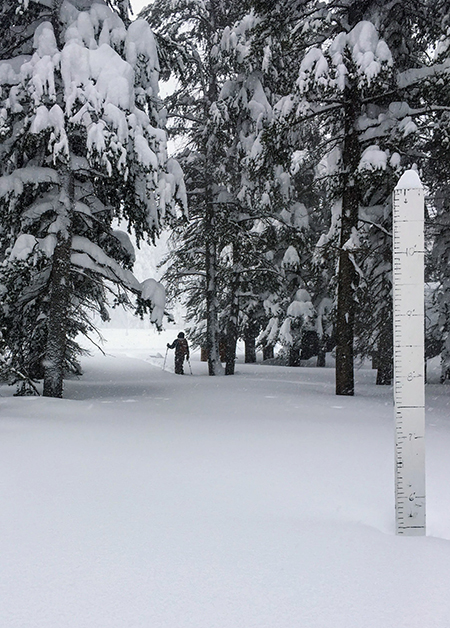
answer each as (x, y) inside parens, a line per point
(251, 332)
(250, 349)
(347, 277)
(212, 335)
(321, 354)
(60, 292)
(212, 325)
(232, 330)
(385, 367)
(294, 356)
(345, 327)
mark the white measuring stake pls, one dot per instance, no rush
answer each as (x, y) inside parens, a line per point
(409, 371)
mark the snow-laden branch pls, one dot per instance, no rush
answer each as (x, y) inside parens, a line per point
(88, 256)
(414, 76)
(31, 175)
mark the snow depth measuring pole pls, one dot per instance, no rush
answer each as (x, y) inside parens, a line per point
(409, 372)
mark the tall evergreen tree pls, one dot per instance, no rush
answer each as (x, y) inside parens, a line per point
(436, 173)
(195, 39)
(354, 82)
(82, 143)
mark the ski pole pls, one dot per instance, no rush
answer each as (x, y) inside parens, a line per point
(165, 358)
(190, 367)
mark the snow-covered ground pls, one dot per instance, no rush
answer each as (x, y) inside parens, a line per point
(149, 500)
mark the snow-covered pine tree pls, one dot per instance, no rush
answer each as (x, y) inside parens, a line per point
(436, 174)
(412, 33)
(243, 113)
(406, 29)
(271, 192)
(389, 96)
(82, 143)
(353, 72)
(195, 38)
(243, 271)
(345, 84)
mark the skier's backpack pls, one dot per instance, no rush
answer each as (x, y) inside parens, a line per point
(183, 346)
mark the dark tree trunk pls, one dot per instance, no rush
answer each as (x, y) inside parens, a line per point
(294, 356)
(212, 325)
(230, 355)
(250, 349)
(347, 277)
(60, 293)
(212, 335)
(321, 354)
(251, 331)
(345, 327)
(385, 365)
(268, 352)
(232, 331)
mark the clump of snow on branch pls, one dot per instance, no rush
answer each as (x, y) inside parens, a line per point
(301, 307)
(104, 90)
(153, 291)
(89, 255)
(373, 158)
(258, 105)
(354, 241)
(23, 247)
(407, 126)
(285, 335)
(235, 39)
(291, 258)
(300, 315)
(270, 334)
(171, 185)
(330, 163)
(328, 68)
(323, 312)
(325, 238)
(271, 306)
(125, 242)
(34, 175)
(297, 160)
(296, 216)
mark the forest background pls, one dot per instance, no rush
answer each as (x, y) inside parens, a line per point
(293, 122)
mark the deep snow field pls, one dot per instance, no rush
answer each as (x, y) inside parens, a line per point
(149, 500)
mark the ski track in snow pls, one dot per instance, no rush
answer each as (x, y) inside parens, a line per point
(149, 500)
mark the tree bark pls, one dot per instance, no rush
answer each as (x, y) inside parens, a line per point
(347, 277)
(212, 325)
(294, 356)
(212, 334)
(250, 349)
(251, 331)
(60, 292)
(232, 331)
(321, 354)
(385, 367)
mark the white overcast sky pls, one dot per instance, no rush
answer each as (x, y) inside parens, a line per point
(138, 5)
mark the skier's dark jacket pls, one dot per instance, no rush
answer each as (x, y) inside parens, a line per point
(181, 348)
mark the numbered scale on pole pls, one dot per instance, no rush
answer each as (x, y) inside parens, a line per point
(409, 367)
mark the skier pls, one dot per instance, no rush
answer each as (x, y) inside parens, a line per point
(181, 347)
